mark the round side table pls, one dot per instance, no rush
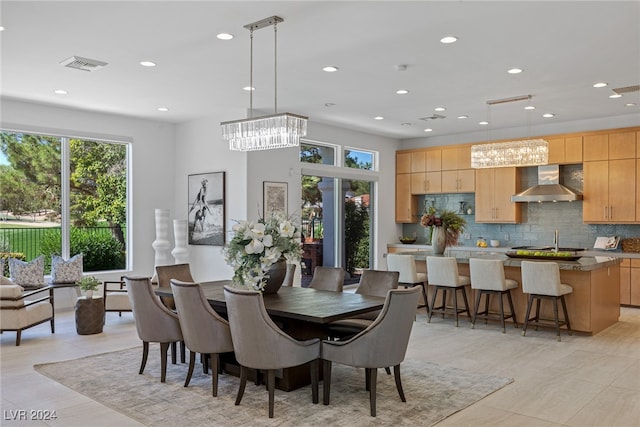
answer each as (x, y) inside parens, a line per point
(89, 315)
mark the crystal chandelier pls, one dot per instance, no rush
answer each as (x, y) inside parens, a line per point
(278, 130)
(529, 152)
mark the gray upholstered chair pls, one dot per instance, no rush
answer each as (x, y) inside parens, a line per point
(487, 278)
(328, 278)
(382, 344)
(154, 321)
(20, 309)
(406, 266)
(290, 275)
(259, 344)
(374, 283)
(442, 273)
(165, 273)
(204, 330)
(541, 280)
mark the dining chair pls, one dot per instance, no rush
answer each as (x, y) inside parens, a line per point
(442, 273)
(328, 278)
(406, 266)
(487, 278)
(381, 344)
(541, 280)
(204, 330)
(259, 344)
(154, 321)
(165, 273)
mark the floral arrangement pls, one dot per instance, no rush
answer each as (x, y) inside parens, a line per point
(88, 283)
(256, 246)
(452, 223)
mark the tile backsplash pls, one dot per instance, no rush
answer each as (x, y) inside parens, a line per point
(540, 220)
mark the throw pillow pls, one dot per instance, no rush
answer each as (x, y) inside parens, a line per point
(27, 274)
(1, 266)
(66, 271)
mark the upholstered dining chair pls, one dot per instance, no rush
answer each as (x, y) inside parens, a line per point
(328, 278)
(259, 344)
(289, 275)
(154, 321)
(442, 273)
(382, 344)
(373, 283)
(487, 278)
(20, 309)
(406, 266)
(165, 273)
(204, 330)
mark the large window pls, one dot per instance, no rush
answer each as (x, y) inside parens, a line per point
(63, 196)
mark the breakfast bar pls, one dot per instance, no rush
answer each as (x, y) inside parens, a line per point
(594, 304)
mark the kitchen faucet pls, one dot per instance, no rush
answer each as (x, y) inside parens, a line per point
(555, 240)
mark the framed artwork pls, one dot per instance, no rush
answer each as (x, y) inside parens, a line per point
(275, 198)
(206, 210)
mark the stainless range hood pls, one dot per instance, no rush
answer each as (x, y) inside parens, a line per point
(548, 188)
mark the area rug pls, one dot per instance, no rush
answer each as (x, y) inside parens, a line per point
(433, 393)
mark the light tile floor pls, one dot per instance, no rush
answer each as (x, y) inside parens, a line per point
(581, 381)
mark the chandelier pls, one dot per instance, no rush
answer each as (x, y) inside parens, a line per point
(529, 152)
(277, 130)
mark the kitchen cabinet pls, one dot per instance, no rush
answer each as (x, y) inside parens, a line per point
(494, 188)
(459, 181)
(426, 183)
(426, 161)
(403, 162)
(612, 146)
(565, 150)
(630, 282)
(456, 158)
(609, 191)
(406, 203)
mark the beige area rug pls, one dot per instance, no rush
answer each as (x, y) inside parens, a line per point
(433, 393)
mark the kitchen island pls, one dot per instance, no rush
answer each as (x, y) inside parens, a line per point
(594, 304)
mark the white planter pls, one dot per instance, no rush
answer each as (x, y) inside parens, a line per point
(180, 232)
(88, 294)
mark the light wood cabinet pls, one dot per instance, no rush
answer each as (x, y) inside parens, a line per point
(609, 191)
(406, 203)
(403, 162)
(459, 181)
(418, 162)
(565, 150)
(426, 183)
(456, 158)
(630, 281)
(494, 188)
(595, 147)
(612, 146)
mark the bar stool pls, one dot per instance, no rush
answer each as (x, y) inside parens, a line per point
(406, 266)
(541, 280)
(487, 278)
(442, 272)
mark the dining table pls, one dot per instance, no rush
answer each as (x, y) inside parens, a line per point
(303, 313)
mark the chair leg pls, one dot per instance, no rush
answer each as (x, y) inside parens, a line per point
(164, 346)
(513, 311)
(367, 379)
(53, 326)
(314, 380)
(466, 302)
(487, 297)
(192, 362)
(538, 302)
(455, 306)
(271, 385)
(183, 351)
(243, 384)
(566, 314)
(173, 352)
(373, 379)
(424, 295)
(387, 370)
(526, 317)
(215, 363)
(19, 337)
(326, 381)
(204, 358)
(502, 314)
(475, 309)
(433, 304)
(556, 318)
(145, 354)
(396, 372)
(444, 301)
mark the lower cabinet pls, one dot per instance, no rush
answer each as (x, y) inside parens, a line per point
(630, 281)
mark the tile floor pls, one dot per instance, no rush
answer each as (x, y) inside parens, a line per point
(581, 381)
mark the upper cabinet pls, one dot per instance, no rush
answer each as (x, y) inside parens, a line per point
(403, 162)
(456, 158)
(565, 150)
(494, 188)
(612, 146)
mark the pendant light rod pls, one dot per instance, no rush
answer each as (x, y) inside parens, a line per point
(512, 99)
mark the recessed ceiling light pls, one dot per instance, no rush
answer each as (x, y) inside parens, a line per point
(464, 116)
(484, 122)
(548, 115)
(163, 109)
(60, 92)
(405, 124)
(330, 69)
(402, 92)
(599, 84)
(1, 28)
(515, 71)
(224, 36)
(248, 88)
(630, 104)
(378, 118)
(448, 39)
(440, 109)
(428, 130)
(148, 63)
(615, 95)
(530, 107)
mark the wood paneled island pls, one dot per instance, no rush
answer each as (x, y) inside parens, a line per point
(594, 304)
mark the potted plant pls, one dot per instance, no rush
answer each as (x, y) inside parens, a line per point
(446, 228)
(257, 248)
(89, 284)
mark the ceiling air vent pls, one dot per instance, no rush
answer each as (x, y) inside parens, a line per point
(84, 64)
(628, 89)
(434, 117)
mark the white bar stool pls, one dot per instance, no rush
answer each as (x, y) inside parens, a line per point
(406, 266)
(487, 278)
(442, 273)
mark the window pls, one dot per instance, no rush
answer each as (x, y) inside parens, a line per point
(64, 196)
(358, 159)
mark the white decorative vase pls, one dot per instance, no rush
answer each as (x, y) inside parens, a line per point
(438, 240)
(162, 245)
(88, 294)
(180, 233)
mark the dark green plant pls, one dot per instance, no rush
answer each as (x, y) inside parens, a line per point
(356, 236)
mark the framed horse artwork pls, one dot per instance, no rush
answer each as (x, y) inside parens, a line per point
(206, 210)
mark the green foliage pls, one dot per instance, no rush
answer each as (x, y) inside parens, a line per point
(6, 256)
(100, 251)
(356, 236)
(89, 283)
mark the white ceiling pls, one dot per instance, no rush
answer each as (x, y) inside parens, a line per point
(563, 47)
